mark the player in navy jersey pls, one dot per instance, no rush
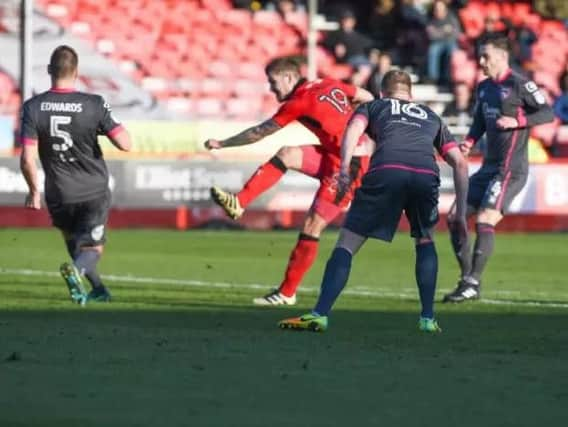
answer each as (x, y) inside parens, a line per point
(63, 124)
(507, 106)
(403, 176)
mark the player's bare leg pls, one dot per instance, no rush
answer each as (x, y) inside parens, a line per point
(264, 178)
(301, 260)
(336, 274)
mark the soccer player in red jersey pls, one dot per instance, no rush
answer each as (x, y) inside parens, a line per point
(324, 107)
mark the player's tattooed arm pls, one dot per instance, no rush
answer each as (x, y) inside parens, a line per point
(248, 136)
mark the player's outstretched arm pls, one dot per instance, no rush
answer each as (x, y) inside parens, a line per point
(248, 136)
(29, 170)
(121, 139)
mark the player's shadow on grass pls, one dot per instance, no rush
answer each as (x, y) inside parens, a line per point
(509, 332)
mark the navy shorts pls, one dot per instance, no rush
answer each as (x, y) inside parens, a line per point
(384, 194)
(490, 188)
(84, 221)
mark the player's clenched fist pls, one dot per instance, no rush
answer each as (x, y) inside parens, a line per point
(212, 144)
(33, 201)
(465, 147)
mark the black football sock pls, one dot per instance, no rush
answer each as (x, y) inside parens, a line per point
(426, 274)
(86, 261)
(483, 249)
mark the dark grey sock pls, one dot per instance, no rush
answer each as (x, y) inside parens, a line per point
(483, 249)
(86, 262)
(462, 250)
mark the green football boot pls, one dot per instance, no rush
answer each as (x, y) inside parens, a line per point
(307, 322)
(74, 283)
(429, 325)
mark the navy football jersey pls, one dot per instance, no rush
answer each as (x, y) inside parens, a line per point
(512, 96)
(405, 133)
(65, 125)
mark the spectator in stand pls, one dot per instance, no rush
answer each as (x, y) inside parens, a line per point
(384, 24)
(351, 47)
(242, 4)
(561, 103)
(494, 26)
(412, 40)
(285, 7)
(443, 30)
(347, 44)
(524, 38)
(382, 63)
(458, 112)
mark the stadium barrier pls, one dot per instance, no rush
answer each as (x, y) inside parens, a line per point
(175, 194)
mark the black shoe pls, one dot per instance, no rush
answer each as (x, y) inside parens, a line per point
(464, 291)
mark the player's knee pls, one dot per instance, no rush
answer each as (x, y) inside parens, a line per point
(98, 248)
(489, 216)
(287, 156)
(314, 226)
(423, 240)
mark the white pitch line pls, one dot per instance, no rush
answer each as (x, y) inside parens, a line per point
(352, 290)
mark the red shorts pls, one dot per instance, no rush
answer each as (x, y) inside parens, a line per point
(319, 163)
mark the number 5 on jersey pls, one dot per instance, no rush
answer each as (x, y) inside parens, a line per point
(56, 132)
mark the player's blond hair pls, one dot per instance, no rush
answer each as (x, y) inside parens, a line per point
(395, 81)
(283, 64)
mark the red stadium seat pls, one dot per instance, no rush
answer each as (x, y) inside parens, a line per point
(251, 70)
(299, 21)
(546, 132)
(209, 107)
(213, 88)
(268, 19)
(236, 18)
(243, 108)
(549, 81)
(250, 88)
(181, 104)
(221, 69)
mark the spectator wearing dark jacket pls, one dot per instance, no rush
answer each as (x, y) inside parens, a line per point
(443, 30)
(384, 24)
(347, 44)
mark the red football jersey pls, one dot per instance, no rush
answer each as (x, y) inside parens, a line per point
(323, 106)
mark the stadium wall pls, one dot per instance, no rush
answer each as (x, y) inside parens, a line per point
(175, 194)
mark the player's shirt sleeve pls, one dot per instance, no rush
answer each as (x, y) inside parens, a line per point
(107, 124)
(289, 111)
(444, 141)
(477, 128)
(535, 109)
(28, 128)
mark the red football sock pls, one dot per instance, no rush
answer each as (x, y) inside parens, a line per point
(265, 177)
(301, 259)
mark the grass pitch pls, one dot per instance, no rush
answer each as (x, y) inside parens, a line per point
(181, 345)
